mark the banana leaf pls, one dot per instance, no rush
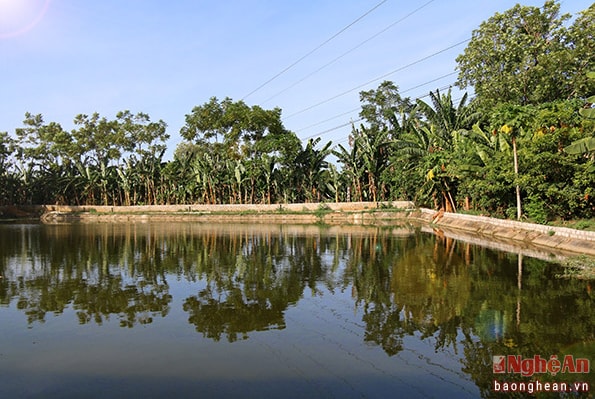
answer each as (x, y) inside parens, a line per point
(582, 146)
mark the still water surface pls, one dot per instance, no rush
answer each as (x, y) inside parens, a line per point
(243, 311)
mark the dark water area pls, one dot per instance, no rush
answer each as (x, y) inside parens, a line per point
(152, 310)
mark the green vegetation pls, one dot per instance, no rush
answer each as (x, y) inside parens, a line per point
(522, 148)
(579, 224)
(581, 267)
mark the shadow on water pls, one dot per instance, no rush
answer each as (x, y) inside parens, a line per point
(403, 284)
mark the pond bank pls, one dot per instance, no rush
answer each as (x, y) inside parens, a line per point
(559, 238)
(354, 213)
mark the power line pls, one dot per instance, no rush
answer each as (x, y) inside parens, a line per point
(315, 49)
(329, 119)
(347, 137)
(348, 51)
(334, 128)
(379, 78)
(358, 108)
(361, 119)
(428, 82)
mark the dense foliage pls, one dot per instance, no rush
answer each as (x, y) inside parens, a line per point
(524, 145)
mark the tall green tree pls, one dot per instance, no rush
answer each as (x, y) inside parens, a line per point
(241, 129)
(379, 106)
(6, 150)
(255, 150)
(527, 55)
(44, 155)
(581, 39)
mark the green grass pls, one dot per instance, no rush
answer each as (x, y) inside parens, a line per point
(322, 210)
(580, 224)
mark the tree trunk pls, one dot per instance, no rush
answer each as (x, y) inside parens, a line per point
(516, 174)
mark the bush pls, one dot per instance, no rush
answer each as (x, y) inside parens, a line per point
(536, 210)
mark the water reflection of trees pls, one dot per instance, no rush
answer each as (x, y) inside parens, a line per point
(536, 314)
(249, 284)
(464, 297)
(467, 298)
(46, 269)
(416, 285)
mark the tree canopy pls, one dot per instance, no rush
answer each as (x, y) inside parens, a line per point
(527, 55)
(521, 146)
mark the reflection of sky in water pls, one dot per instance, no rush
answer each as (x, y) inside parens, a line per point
(491, 325)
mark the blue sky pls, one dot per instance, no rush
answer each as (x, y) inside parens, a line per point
(62, 58)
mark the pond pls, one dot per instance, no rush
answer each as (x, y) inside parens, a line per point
(152, 310)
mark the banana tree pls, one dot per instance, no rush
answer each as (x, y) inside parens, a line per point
(423, 161)
(311, 164)
(352, 170)
(374, 152)
(586, 145)
(335, 182)
(239, 174)
(270, 172)
(427, 147)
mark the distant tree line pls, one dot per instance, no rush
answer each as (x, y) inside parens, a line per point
(524, 144)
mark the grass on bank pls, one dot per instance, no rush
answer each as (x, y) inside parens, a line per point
(576, 224)
(580, 224)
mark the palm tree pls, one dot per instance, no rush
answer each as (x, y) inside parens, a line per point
(427, 148)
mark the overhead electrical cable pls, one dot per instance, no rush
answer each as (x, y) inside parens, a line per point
(348, 51)
(361, 119)
(334, 128)
(430, 81)
(315, 49)
(329, 119)
(359, 108)
(379, 78)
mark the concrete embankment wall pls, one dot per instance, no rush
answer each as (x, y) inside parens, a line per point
(560, 238)
(310, 207)
(352, 213)
(303, 213)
